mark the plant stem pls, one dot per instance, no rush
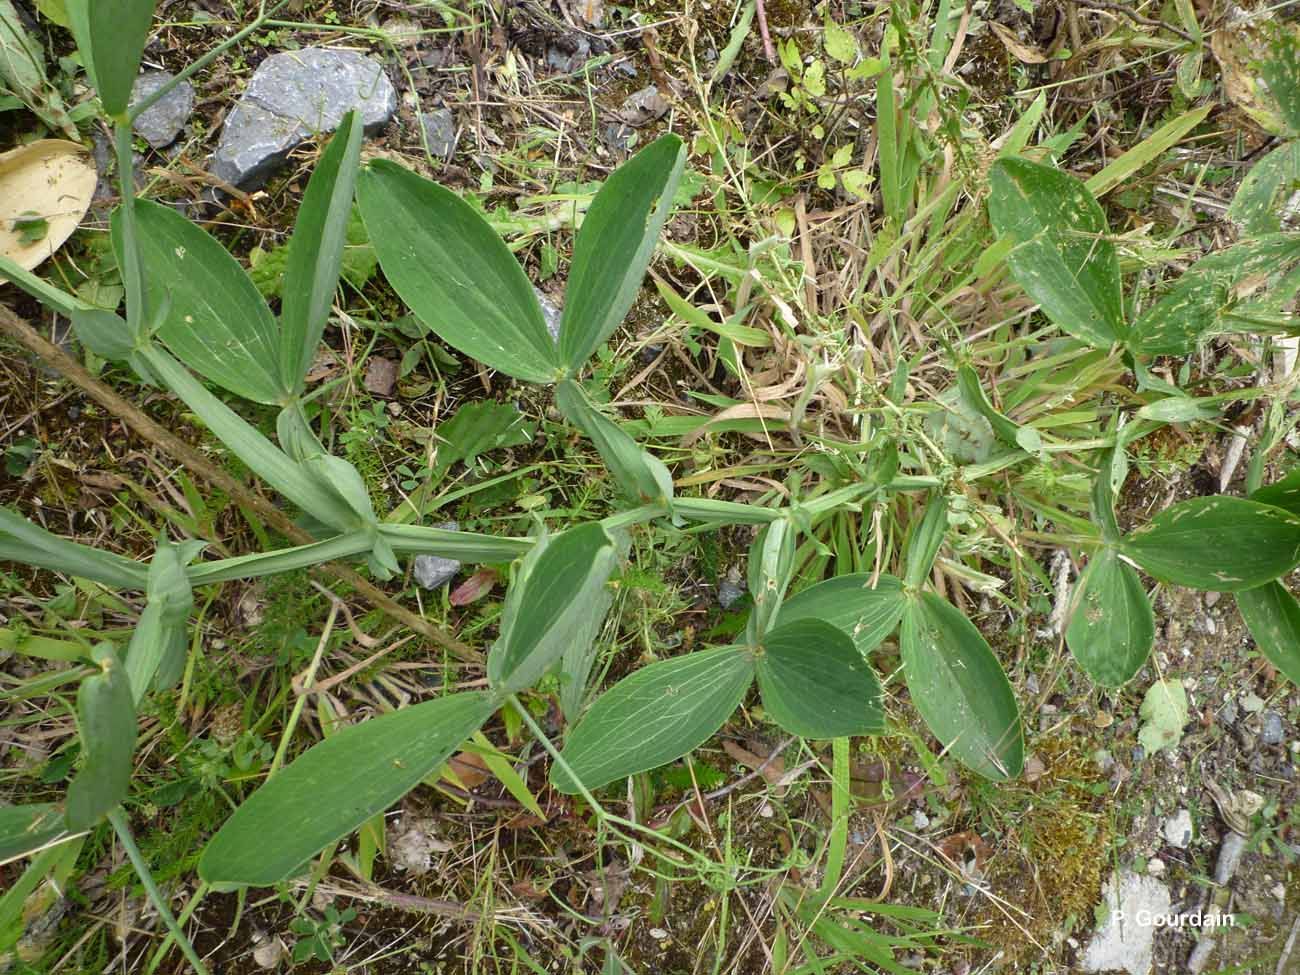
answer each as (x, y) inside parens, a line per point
(73, 371)
(124, 836)
(296, 713)
(191, 906)
(840, 799)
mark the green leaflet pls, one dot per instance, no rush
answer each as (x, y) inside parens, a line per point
(581, 649)
(866, 614)
(156, 654)
(816, 684)
(614, 246)
(1062, 256)
(1218, 543)
(335, 787)
(640, 475)
(216, 321)
(111, 35)
(1273, 617)
(455, 273)
(106, 721)
(771, 562)
(1200, 303)
(1112, 627)
(104, 333)
(1008, 431)
(316, 252)
(1281, 494)
(923, 546)
(27, 828)
(23, 541)
(1262, 197)
(959, 688)
(655, 716)
(549, 604)
(709, 511)
(1111, 474)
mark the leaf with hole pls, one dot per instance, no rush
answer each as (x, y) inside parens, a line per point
(614, 247)
(814, 682)
(1218, 543)
(959, 688)
(1112, 627)
(455, 273)
(1062, 255)
(335, 787)
(655, 716)
(867, 613)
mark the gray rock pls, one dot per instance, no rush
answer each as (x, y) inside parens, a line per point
(1178, 829)
(730, 590)
(1270, 729)
(292, 97)
(1124, 941)
(433, 571)
(551, 312)
(161, 123)
(439, 132)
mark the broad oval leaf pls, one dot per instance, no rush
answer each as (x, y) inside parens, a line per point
(866, 613)
(311, 272)
(111, 35)
(28, 827)
(549, 604)
(1264, 194)
(106, 722)
(614, 246)
(1112, 627)
(335, 786)
(1218, 543)
(1062, 257)
(1273, 617)
(216, 321)
(1202, 300)
(655, 716)
(816, 684)
(640, 475)
(959, 688)
(455, 273)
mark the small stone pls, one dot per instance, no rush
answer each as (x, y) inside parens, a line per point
(161, 123)
(920, 819)
(439, 132)
(1253, 703)
(1178, 829)
(1230, 853)
(433, 571)
(659, 934)
(1156, 867)
(1279, 893)
(643, 107)
(381, 376)
(268, 951)
(730, 590)
(551, 312)
(1228, 713)
(1270, 731)
(292, 97)
(1121, 943)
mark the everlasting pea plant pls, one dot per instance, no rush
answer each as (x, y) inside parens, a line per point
(192, 311)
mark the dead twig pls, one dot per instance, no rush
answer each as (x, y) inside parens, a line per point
(1132, 15)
